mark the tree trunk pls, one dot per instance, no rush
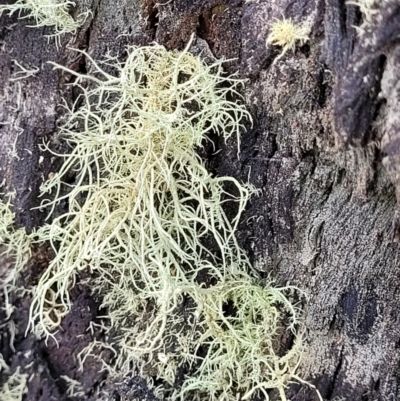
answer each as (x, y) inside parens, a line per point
(323, 150)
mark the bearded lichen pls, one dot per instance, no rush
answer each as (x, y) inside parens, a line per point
(54, 13)
(286, 34)
(154, 201)
(146, 219)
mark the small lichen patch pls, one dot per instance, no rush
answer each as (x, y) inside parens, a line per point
(368, 9)
(286, 34)
(243, 341)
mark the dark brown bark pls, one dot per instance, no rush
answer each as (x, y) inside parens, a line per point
(323, 150)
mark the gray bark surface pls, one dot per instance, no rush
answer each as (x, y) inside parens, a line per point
(323, 151)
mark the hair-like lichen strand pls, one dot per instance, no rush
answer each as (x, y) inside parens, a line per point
(14, 245)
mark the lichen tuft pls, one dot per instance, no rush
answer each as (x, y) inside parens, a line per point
(286, 34)
(146, 219)
(54, 13)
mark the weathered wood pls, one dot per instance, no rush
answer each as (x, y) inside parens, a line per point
(325, 218)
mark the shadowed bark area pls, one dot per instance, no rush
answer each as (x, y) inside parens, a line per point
(323, 151)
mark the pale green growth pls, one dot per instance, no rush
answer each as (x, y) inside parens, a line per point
(23, 72)
(74, 389)
(146, 219)
(53, 13)
(15, 247)
(14, 387)
(286, 34)
(3, 365)
(368, 9)
(243, 342)
(13, 153)
(138, 169)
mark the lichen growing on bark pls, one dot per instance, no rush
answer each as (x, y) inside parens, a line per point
(54, 13)
(14, 245)
(286, 34)
(145, 219)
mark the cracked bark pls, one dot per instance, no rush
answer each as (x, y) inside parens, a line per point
(325, 219)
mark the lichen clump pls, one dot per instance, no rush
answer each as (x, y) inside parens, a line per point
(286, 34)
(54, 13)
(146, 219)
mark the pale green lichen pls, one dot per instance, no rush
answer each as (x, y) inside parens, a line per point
(14, 247)
(141, 212)
(23, 72)
(54, 13)
(74, 388)
(242, 345)
(286, 34)
(139, 171)
(14, 386)
(369, 9)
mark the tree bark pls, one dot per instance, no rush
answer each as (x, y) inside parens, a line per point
(323, 150)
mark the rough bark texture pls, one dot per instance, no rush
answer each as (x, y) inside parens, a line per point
(325, 219)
